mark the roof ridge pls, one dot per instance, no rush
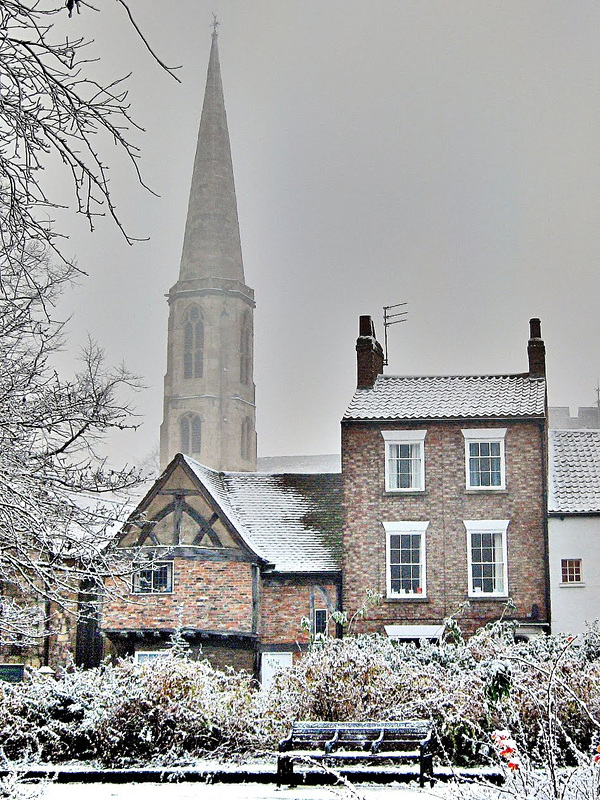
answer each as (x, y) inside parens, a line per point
(491, 375)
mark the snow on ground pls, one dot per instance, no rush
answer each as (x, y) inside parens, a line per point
(245, 791)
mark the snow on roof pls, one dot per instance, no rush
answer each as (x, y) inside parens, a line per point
(293, 521)
(574, 471)
(396, 397)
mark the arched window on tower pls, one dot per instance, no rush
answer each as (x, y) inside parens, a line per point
(190, 434)
(193, 343)
(246, 350)
(246, 443)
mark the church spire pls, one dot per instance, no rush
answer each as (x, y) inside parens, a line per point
(211, 246)
(209, 410)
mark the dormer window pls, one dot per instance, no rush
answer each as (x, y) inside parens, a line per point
(484, 458)
(404, 461)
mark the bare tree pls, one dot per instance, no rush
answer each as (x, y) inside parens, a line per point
(50, 105)
(55, 527)
(59, 503)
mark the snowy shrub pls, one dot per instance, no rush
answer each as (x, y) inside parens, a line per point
(168, 709)
(546, 691)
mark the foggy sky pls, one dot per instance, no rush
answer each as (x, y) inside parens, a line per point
(445, 154)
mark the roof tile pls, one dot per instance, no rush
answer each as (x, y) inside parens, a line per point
(574, 472)
(292, 521)
(449, 397)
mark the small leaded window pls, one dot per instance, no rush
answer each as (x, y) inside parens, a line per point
(155, 579)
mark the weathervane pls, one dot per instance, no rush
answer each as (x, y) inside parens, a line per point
(391, 317)
(215, 24)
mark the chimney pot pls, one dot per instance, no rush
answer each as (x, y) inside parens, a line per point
(366, 326)
(535, 328)
(369, 354)
(536, 350)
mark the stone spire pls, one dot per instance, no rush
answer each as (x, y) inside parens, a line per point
(209, 410)
(211, 247)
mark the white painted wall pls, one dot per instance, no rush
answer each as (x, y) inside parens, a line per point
(574, 605)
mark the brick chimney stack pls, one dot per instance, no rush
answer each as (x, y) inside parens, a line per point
(536, 350)
(369, 354)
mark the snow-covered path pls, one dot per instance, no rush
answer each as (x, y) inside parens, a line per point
(243, 791)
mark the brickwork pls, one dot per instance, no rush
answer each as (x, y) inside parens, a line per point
(445, 503)
(285, 601)
(207, 595)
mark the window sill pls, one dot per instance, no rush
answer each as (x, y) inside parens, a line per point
(494, 597)
(403, 492)
(407, 598)
(572, 585)
(486, 490)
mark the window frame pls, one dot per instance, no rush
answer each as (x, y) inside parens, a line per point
(149, 656)
(411, 437)
(485, 436)
(418, 528)
(483, 526)
(316, 626)
(565, 570)
(153, 567)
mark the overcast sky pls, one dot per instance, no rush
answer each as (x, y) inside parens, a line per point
(441, 153)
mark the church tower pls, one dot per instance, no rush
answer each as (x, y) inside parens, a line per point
(209, 410)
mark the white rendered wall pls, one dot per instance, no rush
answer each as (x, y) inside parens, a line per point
(574, 605)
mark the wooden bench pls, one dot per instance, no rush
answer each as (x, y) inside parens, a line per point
(352, 742)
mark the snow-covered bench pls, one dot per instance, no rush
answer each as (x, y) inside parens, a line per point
(353, 742)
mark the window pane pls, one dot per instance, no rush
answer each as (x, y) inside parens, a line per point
(487, 563)
(405, 563)
(485, 464)
(571, 570)
(404, 466)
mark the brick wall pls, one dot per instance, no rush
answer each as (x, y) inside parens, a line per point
(445, 503)
(285, 601)
(212, 595)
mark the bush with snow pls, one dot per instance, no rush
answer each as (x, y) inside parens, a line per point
(542, 697)
(545, 691)
(167, 709)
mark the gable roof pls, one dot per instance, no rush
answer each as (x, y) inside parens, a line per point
(395, 397)
(574, 471)
(291, 521)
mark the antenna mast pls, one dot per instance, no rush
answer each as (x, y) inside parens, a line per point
(391, 317)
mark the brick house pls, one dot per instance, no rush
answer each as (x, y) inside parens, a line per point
(236, 560)
(444, 482)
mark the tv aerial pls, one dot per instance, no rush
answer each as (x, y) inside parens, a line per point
(391, 316)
